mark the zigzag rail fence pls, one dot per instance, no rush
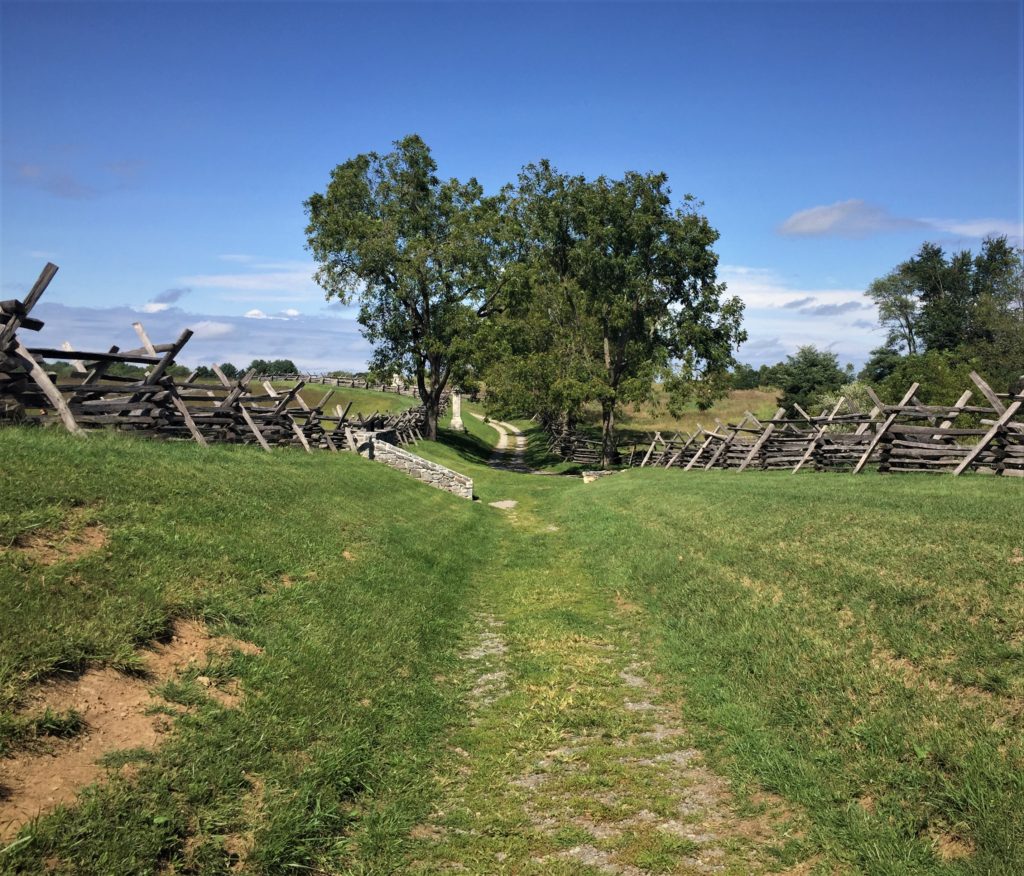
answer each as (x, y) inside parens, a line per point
(907, 436)
(248, 410)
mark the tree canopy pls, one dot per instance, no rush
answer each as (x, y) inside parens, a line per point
(969, 308)
(566, 291)
(417, 254)
(613, 287)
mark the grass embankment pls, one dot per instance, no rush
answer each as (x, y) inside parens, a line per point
(850, 645)
(364, 401)
(333, 566)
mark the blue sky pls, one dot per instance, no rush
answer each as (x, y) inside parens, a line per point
(160, 152)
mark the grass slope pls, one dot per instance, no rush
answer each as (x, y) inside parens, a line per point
(853, 644)
(364, 401)
(341, 710)
(850, 644)
(635, 422)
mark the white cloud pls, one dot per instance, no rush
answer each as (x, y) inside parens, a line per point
(980, 228)
(255, 314)
(261, 281)
(154, 307)
(856, 218)
(291, 311)
(780, 317)
(763, 287)
(208, 328)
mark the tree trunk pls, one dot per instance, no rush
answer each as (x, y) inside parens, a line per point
(428, 400)
(608, 452)
(431, 407)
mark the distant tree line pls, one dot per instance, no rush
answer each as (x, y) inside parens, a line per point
(944, 316)
(260, 366)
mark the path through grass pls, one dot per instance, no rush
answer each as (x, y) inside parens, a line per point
(656, 672)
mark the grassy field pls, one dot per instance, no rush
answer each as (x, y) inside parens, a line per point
(357, 614)
(637, 421)
(364, 401)
(845, 652)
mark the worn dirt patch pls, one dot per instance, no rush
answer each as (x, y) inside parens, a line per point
(239, 846)
(113, 708)
(49, 547)
(950, 847)
(695, 805)
(488, 655)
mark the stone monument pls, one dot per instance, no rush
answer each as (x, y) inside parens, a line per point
(457, 425)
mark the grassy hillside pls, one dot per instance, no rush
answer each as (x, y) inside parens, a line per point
(364, 401)
(846, 650)
(636, 421)
(319, 560)
(853, 644)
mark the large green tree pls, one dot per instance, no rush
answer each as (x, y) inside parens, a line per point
(968, 306)
(418, 253)
(612, 288)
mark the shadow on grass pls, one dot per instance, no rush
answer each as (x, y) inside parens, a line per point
(466, 445)
(538, 457)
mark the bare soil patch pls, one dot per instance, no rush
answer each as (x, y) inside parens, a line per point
(117, 713)
(48, 547)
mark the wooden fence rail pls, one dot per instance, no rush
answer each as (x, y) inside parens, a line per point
(245, 410)
(904, 437)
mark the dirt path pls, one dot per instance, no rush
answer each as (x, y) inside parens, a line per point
(574, 759)
(504, 457)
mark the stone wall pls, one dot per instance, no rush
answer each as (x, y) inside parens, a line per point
(372, 446)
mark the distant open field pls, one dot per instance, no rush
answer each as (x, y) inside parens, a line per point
(759, 671)
(635, 421)
(364, 401)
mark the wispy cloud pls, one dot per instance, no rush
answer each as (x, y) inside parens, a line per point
(781, 317)
(170, 296)
(763, 287)
(857, 219)
(314, 342)
(59, 183)
(262, 281)
(208, 328)
(980, 228)
(854, 218)
(834, 309)
(58, 178)
(164, 300)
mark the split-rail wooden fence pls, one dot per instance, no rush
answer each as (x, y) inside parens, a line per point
(908, 436)
(245, 410)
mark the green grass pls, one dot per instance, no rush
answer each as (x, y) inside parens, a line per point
(341, 711)
(850, 645)
(364, 401)
(637, 422)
